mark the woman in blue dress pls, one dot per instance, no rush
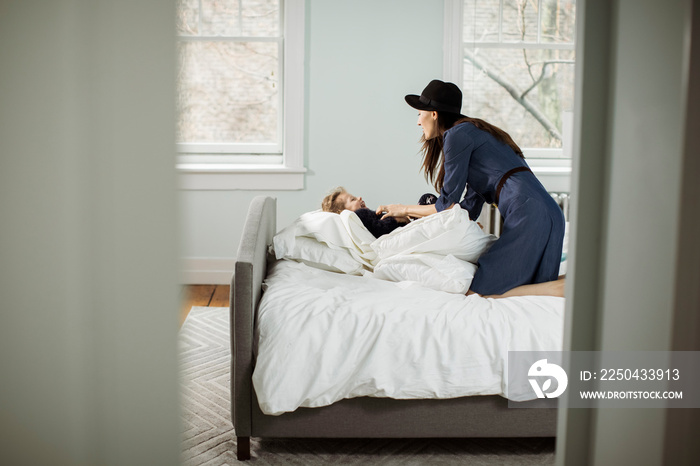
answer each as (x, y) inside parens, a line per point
(462, 152)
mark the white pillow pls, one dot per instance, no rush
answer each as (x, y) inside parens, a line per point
(321, 256)
(447, 232)
(443, 273)
(326, 240)
(326, 227)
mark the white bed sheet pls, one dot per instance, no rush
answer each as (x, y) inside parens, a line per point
(323, 336)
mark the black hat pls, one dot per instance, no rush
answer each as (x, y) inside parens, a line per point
(438, 95)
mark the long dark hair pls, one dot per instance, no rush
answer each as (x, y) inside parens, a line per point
(433, 162)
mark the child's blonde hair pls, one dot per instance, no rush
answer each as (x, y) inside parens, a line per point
(330, 203)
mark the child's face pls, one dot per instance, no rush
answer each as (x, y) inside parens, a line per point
(351, 202)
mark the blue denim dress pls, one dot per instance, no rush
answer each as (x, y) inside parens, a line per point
(529, 248)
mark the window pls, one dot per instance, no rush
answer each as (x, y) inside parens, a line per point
(240, 93)
(517, 68)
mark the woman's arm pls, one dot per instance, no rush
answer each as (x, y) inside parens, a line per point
(457, 149)
(401, 210)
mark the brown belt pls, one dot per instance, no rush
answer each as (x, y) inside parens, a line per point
(506, 176)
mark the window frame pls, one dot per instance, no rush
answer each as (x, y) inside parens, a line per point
(551, 165)
(257, 168)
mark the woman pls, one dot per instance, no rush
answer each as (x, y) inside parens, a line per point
(461, 152)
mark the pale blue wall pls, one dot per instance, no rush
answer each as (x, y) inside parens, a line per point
(362, 57)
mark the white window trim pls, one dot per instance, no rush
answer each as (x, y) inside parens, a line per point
(255, 172)
(550, 166)
(453, 55)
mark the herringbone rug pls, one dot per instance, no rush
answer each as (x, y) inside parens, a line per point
(208, 437)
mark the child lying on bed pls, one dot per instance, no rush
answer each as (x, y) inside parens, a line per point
(339, 199)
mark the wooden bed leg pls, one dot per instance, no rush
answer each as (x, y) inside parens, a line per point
(243, 449)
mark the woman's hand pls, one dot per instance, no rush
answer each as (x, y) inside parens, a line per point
(392, 210)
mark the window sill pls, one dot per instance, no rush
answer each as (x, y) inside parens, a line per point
(229, 177)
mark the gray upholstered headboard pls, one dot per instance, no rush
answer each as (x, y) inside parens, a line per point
(246, 289)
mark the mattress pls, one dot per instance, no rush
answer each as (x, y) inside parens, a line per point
(322, 336)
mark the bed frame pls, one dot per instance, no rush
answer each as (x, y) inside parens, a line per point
(476, 416)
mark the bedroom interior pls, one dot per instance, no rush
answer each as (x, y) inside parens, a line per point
(96, 226)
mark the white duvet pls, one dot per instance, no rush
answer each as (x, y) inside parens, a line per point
(324, 336)
(439, 251)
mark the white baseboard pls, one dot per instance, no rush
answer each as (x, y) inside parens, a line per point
(206, 270)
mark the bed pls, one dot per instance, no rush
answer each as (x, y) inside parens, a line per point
(365, 407)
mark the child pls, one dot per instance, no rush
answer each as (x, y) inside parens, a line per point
(339, 199)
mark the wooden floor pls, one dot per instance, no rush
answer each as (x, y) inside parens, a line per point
(203, 295)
